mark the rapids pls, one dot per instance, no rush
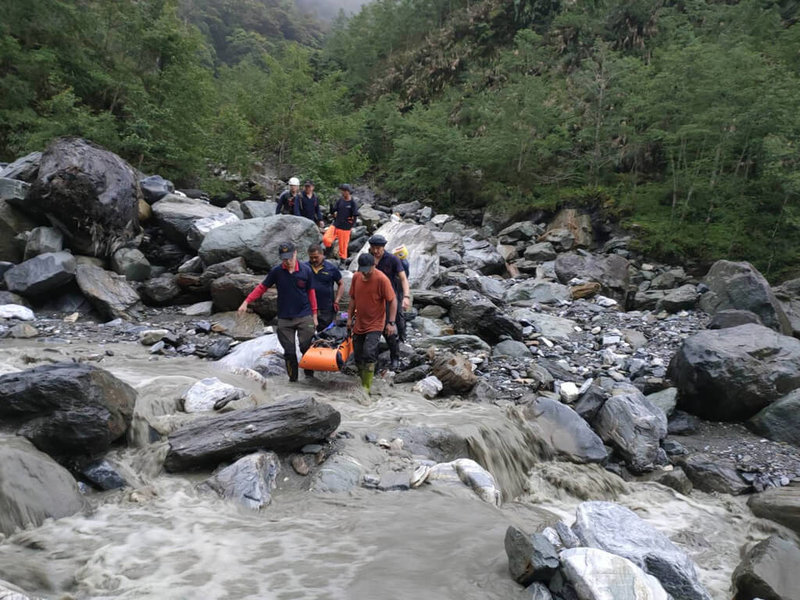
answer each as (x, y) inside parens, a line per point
(165, 539)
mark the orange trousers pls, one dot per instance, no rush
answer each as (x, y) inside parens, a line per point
(343, 235)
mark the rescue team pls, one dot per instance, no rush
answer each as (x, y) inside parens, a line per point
(307, 300)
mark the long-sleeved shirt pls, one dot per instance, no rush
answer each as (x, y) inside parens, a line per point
(345, 212)
(309, 207)
(288, 204)
(296, 295)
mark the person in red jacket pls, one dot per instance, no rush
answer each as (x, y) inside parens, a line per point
(297, 305)
(372, 300)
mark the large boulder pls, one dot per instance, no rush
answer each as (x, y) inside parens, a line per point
(176, 215)
(710, 473)
(33, 487)
(562, 432)
(531, 558)
(472, 313)
(200, 228)
(550, 326)
(90, 194)
(41, 274)
(23, 169)
(285, 426)
(42, 240)
(780, 421)
(423, 259)
(110, 294)
(578, 224)
(634, 427)
(230, 290)
(257, 240)
(12, 223)
(740, 285)
(481, 256)
(781, 505)
(770, 570)
(155, 187)
(131, 264)
(610, 271)
(731, 374)
(455, 372)
(535, 290)
(67, 408)
(598, 575)
(618, 530)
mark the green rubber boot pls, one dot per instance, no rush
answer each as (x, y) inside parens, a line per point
(367, 374)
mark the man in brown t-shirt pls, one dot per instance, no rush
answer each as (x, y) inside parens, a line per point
(370, 294)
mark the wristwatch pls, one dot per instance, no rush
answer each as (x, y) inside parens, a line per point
(390, 323)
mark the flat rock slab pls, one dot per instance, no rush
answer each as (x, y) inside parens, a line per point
(781, 505)
(282, 427)
(771, 570)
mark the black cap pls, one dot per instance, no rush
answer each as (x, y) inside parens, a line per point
(377, 240)
(286, 250)
(365, 262)
(345, 187)
(308, 182)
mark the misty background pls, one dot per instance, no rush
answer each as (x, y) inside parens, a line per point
(328, 9)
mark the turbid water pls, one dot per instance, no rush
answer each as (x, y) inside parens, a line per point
(164, 538)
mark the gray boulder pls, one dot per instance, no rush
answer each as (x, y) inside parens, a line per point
(731, 374)
(155, 187)
(337, 475)
(712, 474)
(535, 290)
(599, 575)
(160, 291)
(739, 285)
(780, 421)
(770, 570)
(423, 259)
(90, 194)
(257, 240)
(256, 209)
(284, 426)
(472, 313)
(562, 432)
(455, 373)
(199, 229)
(511, 349)
(668, 279)
(43, 240)
(176, 215)
(33, 487)
(464, 343)
(732, 317)
(229, 291)
(131, 264)
(666, 400)
(634, 427)
(41, 274)
(23, 169)
(781, 505)
(610, 271)
(481, 256)
(522, 231)
(110, 294)
(561, 239)
(618, 530)
(682, 298)
(249, 481)
(540, 252)
(531, 558)
(12, 223)
(550, 326)
(67, 408)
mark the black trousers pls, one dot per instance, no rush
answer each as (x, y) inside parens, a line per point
(365, 347)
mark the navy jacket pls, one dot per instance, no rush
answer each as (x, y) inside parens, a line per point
(346, 213)
(323, 281)
(309, 207)
(288, 204)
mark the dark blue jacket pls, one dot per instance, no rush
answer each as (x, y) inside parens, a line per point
(293, 288)
(323, 281)
(346, 213)
(309, 207)
(391, 266)
(288, 204)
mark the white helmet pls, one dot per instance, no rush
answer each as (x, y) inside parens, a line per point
(294, 181)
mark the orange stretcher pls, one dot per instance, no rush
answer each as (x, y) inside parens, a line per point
(324, 355)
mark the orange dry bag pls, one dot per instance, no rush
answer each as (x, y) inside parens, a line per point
(329, 236)
(321, 356)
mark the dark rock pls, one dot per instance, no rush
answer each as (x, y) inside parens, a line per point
(33, 487)
(161, 290)
(130, 263)
(41, 274)
(781, 505)
(285, 426)
(531, 558)
(229, 291)
(673, 448)
(229, 267)
(712, 474)
(12, 298)
(481, 256)
(12, 223)
(90, 194)
(218, 348)
(538, 591)
(249, 481)
(610, 271)
(730, 374)
(780, 421)
(176, 215)
(23, 169)
(770, 571)
(102, 475)
(733, 318)
(435, 443)
(67, 408)
(43, 240)
(562, 432)
(739, 285)
(590, 402)
(681, 423)
(682, 298)
(412, 375)
(675, 479)
(155, 187)
(110, 294)
(473, 314)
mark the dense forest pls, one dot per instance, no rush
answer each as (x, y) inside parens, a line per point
(678, 118)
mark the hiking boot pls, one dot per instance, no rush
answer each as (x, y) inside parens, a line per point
(291, 369)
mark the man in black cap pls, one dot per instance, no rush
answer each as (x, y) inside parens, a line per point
(309, 204)
(325, 275)
(344, 214)
(371, 300)
(297, 305)
(392, 267)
